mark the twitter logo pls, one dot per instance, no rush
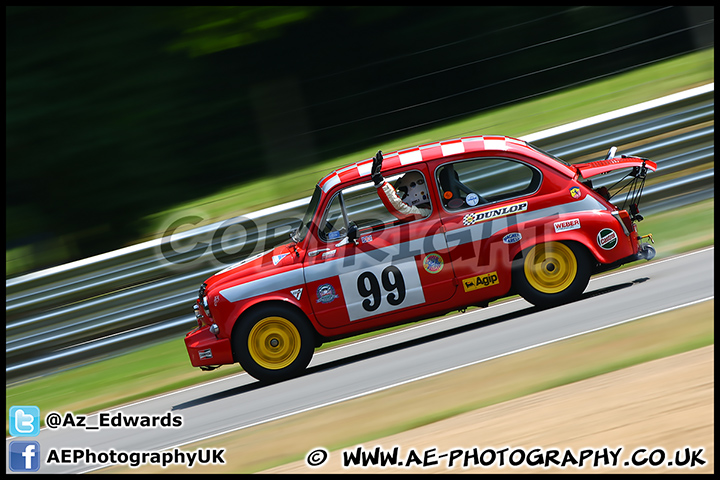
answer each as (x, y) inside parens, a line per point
(24, 421)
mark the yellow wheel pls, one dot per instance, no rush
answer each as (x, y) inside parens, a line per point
(552, 273)
(550, 267)
(273, 342)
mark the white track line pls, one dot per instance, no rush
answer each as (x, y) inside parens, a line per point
(422, 377)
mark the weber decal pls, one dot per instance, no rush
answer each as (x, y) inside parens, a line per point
(480, 281)
(473, 218)
(566, 225)
(607, 238)
(433, 263)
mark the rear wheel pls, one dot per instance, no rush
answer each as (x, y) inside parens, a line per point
(552, 273)
(273, 343)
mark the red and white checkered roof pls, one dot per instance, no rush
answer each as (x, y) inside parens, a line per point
(423, 153)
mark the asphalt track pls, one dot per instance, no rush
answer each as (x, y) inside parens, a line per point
(375, 364)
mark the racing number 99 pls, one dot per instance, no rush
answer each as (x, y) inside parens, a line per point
(392, 282)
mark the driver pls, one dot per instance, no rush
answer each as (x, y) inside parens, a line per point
(413, 200)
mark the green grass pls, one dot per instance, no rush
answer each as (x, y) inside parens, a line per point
(514, 120)
(518, 119)
(165, 366)
(373, 417)
(681, 230)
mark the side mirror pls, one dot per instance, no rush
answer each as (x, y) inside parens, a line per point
(353, 233)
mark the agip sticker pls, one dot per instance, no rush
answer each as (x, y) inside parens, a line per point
(480, 281)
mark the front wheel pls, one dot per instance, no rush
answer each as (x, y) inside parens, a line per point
(552, 273)
(273, 343)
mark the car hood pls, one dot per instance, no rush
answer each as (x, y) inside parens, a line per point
(265, 264)
(591, 169)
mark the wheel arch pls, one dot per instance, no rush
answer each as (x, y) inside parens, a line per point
(568, 288)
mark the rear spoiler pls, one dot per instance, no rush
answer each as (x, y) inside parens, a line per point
(591, 169)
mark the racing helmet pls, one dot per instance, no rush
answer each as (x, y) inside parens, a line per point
(411, 189)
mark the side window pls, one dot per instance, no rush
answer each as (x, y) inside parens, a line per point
(362, 206)
(486, 180)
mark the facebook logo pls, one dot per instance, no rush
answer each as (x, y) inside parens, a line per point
(24, 456)
(24, 421)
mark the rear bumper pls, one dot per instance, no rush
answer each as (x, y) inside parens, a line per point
(207, 350)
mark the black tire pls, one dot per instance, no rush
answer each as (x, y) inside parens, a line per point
(552, 273)
(273, 343)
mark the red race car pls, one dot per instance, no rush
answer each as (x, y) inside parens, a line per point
(416, 234)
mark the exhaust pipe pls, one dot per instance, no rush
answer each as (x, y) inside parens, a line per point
(645, 251)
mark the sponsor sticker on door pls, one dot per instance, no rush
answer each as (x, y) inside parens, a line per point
(607, 238)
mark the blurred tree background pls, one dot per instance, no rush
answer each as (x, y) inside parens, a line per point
(115, 113)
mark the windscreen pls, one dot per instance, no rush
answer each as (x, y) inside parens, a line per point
(308, 216)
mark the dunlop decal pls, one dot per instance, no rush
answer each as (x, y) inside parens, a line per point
(473, 218)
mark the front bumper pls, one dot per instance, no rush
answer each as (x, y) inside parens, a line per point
(206, 350)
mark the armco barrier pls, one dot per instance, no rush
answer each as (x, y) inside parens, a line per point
(100, 306)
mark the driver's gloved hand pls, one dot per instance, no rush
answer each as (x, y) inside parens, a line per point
(375, 174)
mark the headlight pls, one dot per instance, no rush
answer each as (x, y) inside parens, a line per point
(198, 315)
